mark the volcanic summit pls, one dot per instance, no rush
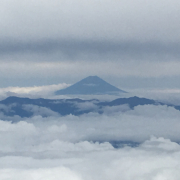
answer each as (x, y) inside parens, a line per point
(91, 85)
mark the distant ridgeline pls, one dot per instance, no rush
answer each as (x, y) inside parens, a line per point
(25, 107)
(90, 85)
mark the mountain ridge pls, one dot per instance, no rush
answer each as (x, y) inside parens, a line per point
(26, 107)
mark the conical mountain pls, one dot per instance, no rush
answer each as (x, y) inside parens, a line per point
(90, 85)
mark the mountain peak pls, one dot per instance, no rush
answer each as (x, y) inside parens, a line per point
(90, 85)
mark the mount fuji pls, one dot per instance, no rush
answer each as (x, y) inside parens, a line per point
(91, 85)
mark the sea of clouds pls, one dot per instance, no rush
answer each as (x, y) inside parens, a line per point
(93, 146)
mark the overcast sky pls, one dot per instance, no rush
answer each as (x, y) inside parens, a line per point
(46, 45)
(130, 44)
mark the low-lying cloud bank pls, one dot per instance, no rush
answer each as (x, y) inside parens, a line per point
(115, 124)
(32, 92)
(81, 147)
(155, 159)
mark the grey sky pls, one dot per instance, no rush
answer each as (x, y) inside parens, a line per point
(102, 19)
(125, 42)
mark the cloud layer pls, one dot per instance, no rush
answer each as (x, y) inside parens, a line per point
(120, 143)
(32, 92)
(117, 20)
(40, 150)
(51, 42)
